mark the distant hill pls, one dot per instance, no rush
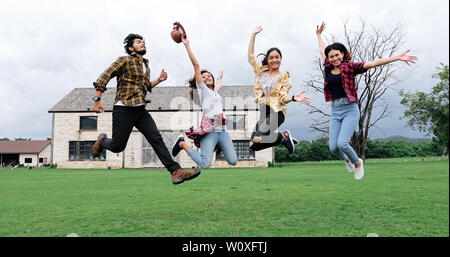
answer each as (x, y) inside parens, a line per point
(402, 138)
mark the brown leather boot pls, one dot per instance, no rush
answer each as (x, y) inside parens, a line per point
(180, 175)
(97, 148)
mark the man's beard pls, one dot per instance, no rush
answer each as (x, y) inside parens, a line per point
(142, 52)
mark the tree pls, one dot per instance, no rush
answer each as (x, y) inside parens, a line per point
(365, 45)
(4, 139)
(428, 112)
(22, 139)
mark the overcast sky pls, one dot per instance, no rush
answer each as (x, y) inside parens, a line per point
(47, 48)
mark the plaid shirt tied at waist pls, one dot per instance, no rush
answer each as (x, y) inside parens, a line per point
(207, 125)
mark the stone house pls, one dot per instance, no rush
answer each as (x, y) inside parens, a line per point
(75, 128)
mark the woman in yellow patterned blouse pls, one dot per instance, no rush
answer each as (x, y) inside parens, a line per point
(272, 94)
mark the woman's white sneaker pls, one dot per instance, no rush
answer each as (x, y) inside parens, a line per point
(359, 172)
(350, 167)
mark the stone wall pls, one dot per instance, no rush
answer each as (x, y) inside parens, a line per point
(67, 128)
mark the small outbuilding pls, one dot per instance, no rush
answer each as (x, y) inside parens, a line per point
(25, 152)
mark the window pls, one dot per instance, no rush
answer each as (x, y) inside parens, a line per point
(28, 160)
(82, 150)
(243, 151)
(88, 123)
(236, 122)
(41, 160)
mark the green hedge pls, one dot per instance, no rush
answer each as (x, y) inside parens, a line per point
(318, 150)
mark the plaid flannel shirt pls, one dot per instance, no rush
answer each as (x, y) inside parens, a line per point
(132, 82)
(207, 125)
(280, 90)
(348, 72)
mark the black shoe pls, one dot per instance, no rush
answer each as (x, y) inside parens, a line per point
(288, 143)
(295, 141)
(176, 147)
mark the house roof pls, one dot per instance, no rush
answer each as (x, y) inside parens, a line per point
(23, 146)
(163, 98)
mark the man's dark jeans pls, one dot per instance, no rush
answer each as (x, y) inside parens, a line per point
(124, 118)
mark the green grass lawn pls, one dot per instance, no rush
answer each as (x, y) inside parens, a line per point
(409, 198)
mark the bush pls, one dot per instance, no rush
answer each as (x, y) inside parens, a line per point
(318, 150)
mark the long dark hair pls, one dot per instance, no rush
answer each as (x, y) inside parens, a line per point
(193, 83)
(264, 61)
(339, 47)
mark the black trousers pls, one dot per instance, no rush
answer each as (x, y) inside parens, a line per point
(266, 127)
(124, 118)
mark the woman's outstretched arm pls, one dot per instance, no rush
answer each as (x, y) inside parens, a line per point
(251, 46)
(401, 57)
(198, 76)
(319, 31)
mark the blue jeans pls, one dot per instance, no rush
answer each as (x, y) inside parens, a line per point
(343, 122)
(207, 146)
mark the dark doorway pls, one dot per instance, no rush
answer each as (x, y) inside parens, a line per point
(9, 159)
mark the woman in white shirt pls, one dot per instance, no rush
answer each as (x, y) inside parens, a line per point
(212, 134)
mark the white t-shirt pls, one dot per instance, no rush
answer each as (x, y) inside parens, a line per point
(210, 100)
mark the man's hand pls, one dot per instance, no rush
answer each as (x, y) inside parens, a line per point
(162, 76)
(98, 107)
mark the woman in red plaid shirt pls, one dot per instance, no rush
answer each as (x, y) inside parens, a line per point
(340, 89)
